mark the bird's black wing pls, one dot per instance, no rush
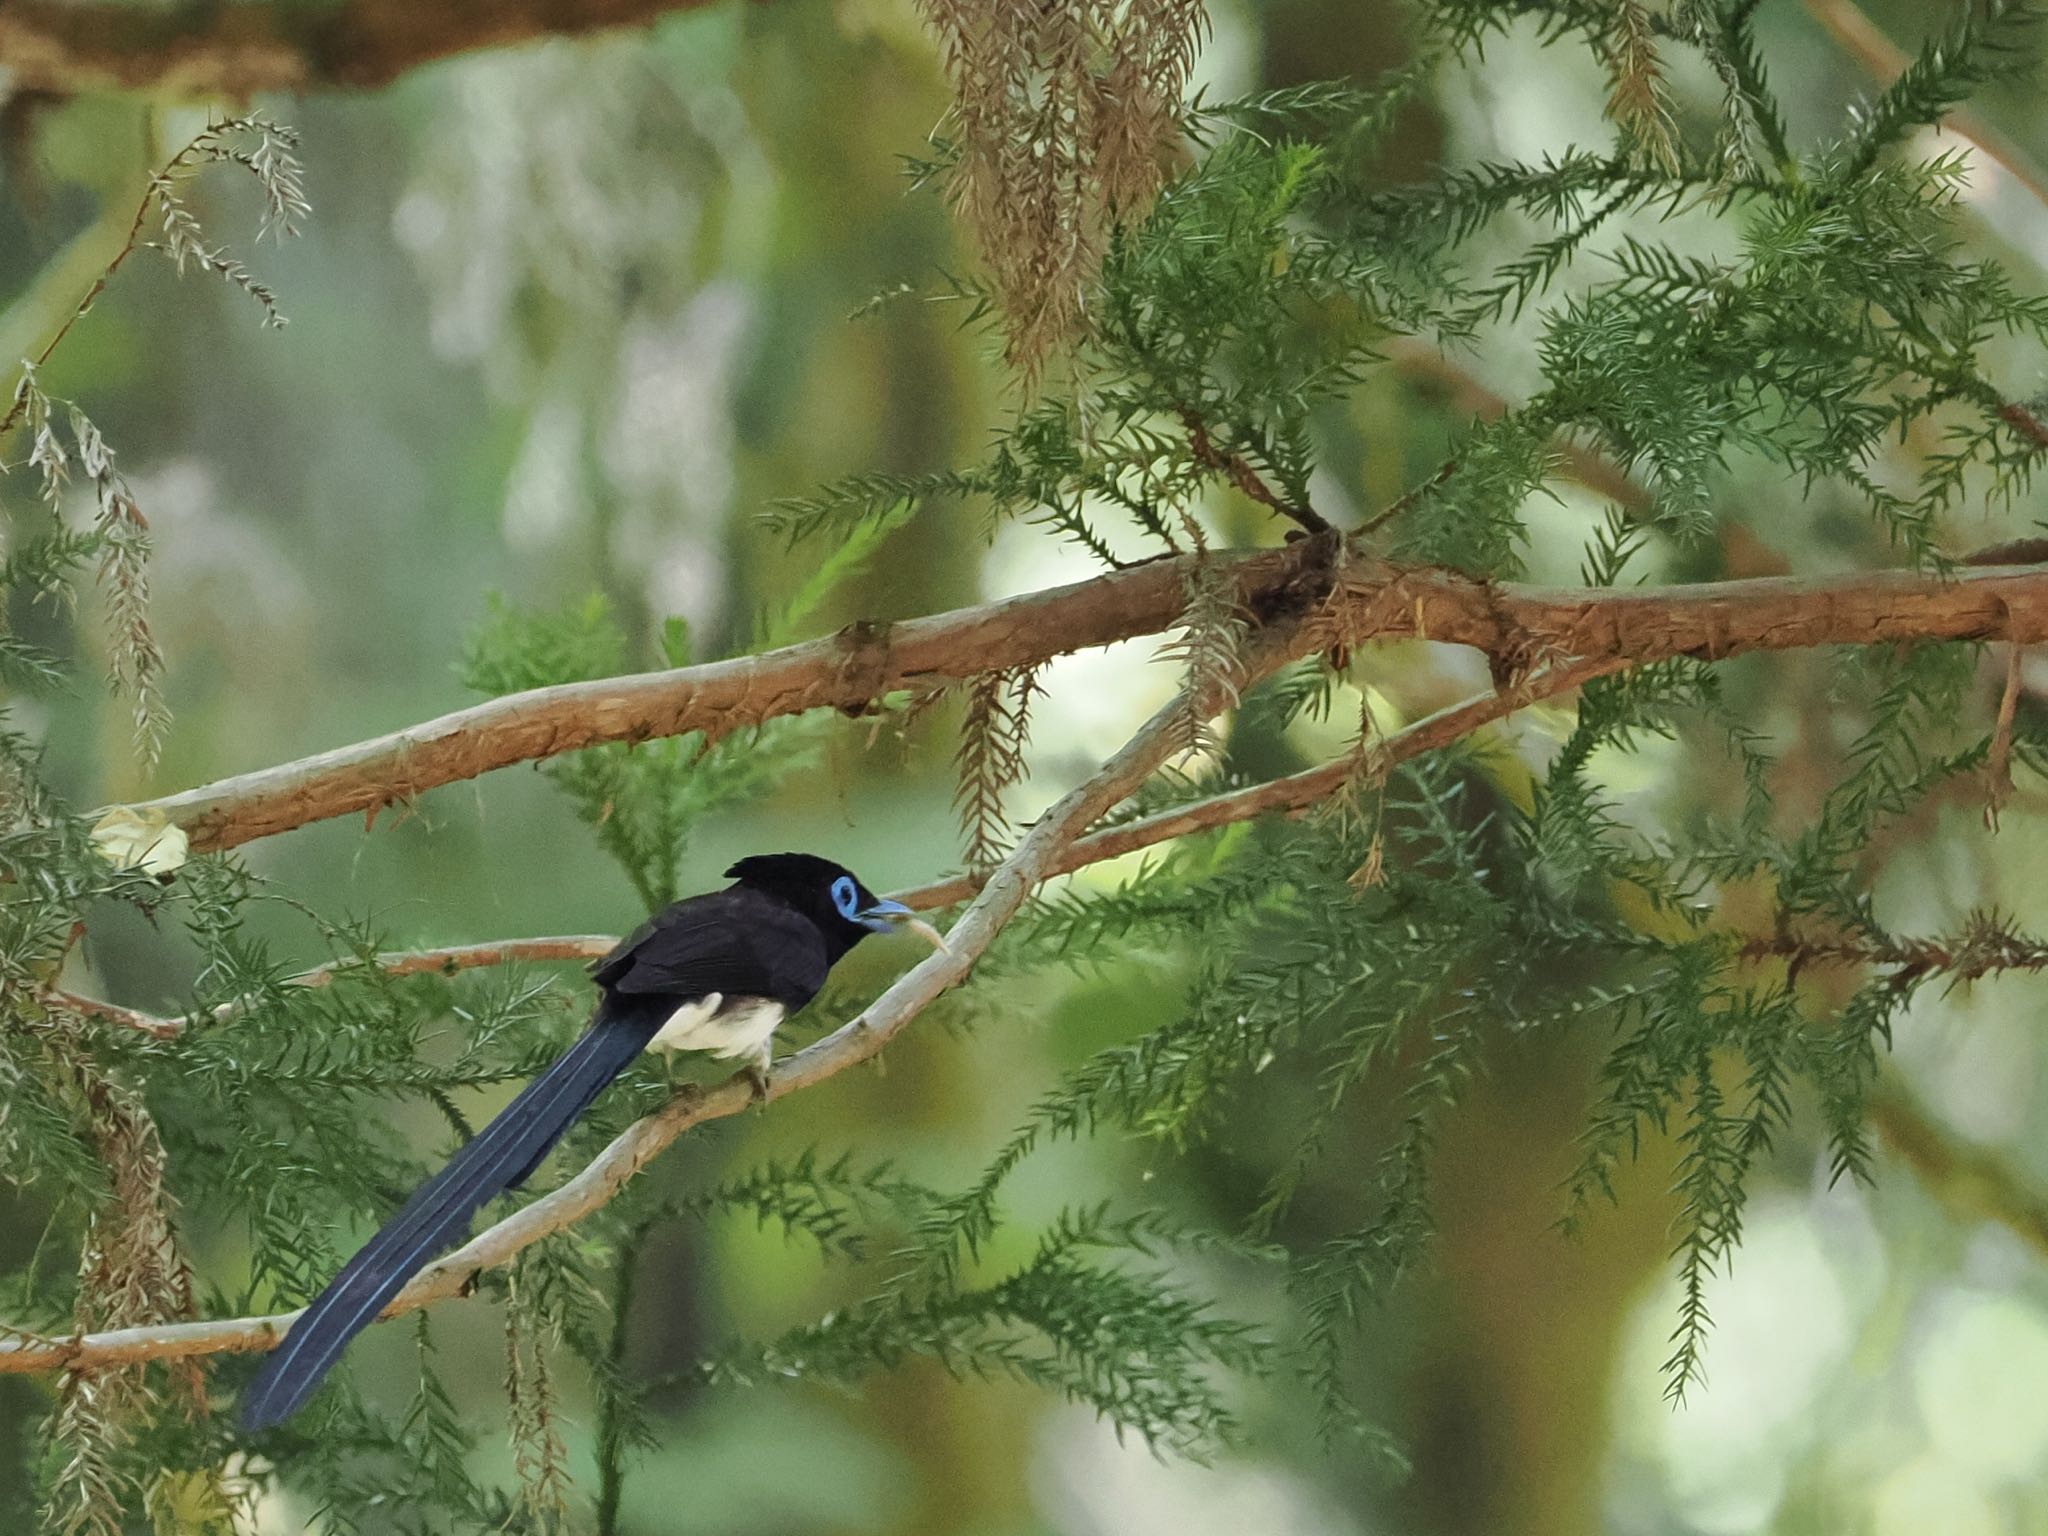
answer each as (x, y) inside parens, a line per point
(497, 1158)
(739, 942)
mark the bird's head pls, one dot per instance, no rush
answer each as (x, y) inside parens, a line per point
(830, 895)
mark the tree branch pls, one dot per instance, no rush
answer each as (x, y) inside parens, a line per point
(846, 671)
(407, 962)
(1035, 860)
(1051, 848)
(1973, 1182)
(1289, 795)
(464, 957)
(1517, 626)
(1238, 468)
(114, 1013)
(189, 51)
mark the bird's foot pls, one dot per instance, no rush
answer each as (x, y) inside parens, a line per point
(757, 1070)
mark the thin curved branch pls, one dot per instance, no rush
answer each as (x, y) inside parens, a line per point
(189, 52)
(1034, 861)
(404, 962)
(1233, 464)
(1973, 1181)
(1518, 626)
(49, 304)
(464, 957)
(114, 1013)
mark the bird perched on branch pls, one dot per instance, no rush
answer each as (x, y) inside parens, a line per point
(714, 973)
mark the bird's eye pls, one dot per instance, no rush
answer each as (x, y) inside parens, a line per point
(846, 897)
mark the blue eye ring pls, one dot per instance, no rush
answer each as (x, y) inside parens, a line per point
(846, 897)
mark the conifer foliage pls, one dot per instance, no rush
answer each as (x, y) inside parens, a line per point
(1194, 295)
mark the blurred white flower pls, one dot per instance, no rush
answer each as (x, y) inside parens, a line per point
(1977, 1382)
(1091, 1482)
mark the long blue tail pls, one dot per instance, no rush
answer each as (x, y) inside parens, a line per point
(496, 1159)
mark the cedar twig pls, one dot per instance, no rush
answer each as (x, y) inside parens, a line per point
(1239, 470)
(1408, 498)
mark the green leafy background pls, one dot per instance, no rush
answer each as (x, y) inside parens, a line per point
(583, 375)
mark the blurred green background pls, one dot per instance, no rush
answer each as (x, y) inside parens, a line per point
(566, 318)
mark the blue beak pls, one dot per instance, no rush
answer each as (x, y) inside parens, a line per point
(887, 916)
(884, 915)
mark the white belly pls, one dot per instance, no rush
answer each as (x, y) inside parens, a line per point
(740, 1027)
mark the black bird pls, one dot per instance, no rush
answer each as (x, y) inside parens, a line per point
(715, 973)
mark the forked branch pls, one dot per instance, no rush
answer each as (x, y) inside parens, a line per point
(1517, 626)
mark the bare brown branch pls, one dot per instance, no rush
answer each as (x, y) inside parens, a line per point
(464, 957)
(1515, 625)
(847, 671)
(192, 52)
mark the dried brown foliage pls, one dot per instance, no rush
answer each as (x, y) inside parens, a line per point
(540, 1458)
(1068, 115)
(89, 1492)
(1637, 99)
(135, 660)
(265, 150)
(132, 1273)
(990, 759)
(122, 537)
(1210, 648)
